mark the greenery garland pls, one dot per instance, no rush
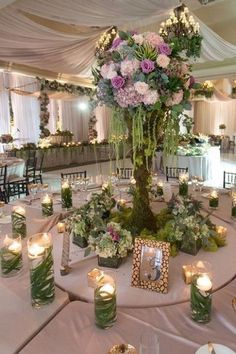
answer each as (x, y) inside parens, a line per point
(57, 86)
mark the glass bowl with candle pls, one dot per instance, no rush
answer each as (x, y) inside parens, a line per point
(10, 255)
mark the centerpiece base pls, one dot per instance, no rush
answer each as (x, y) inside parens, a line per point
(109, 262)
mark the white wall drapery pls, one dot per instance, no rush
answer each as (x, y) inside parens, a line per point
(208, 117)
(103, 115)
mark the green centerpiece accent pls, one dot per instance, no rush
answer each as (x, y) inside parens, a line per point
(66, 195)
(159, 191)
(47, 206)
(11, 256)
(109, 262)
(233, 211)
(201, 300)
(213, 202)
(19, 221)
(79, 240)
(41, 269)
(105, 305)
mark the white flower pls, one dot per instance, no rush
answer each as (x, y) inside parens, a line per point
(138, 38)
(163, 60)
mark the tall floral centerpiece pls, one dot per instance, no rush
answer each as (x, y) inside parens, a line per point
(145, 79)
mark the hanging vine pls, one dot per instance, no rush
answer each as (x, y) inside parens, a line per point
(44, 114)
(92, 132)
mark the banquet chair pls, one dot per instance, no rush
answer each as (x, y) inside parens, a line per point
(30, 169)
(229, 179)
(78, 174)
(3, 183)
(173, 172)
(39, 172)
(17, 188)
(125, 173)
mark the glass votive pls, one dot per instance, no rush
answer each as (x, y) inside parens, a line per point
(201, 292)
(41, 269)
(94, 277)
(214, 199)
(47, 205)
(167, 192)
(149, 342)
(160, 185)
(105, 302)
(18, 221)
(61, 227)
(187, 273)
(183, 184)
(11, 255)
(66, 194)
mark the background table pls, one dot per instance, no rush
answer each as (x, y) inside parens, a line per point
(75, 283)
(73, 330)
(15, 167)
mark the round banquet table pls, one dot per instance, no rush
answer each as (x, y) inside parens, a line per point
(15, 167)
(75, 283)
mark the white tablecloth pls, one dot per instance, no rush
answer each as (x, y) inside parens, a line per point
(202, 166)
(15, 167)
(73, 330)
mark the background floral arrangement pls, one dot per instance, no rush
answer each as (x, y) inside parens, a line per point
(113, 241)
(206, 89)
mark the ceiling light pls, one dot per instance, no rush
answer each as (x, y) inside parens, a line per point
(83, 106)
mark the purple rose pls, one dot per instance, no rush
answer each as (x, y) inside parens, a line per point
(117, 82)
(164, 48)
(116, 43)
(147, 66)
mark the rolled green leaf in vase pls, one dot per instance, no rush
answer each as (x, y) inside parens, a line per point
(41, 269)
(105, 305)
(201, 298)
(11, 256)
(66, 195)
(183, 189)
(233, 210)
(19, 221)
(47, 205)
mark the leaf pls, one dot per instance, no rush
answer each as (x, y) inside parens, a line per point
(177, 108)
(164, 77)
(123, 35)
(87, 251)
(116, 56)
(187, 106)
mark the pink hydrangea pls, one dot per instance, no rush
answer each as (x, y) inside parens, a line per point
(138, 38)
(128, 67)
(153, 39)
(184, 68)
(128, 96)
(163, 61)
(108, 71)
(151, 97)
(141, 87)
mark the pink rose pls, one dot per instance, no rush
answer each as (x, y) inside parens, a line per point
(141, 87)
(153, 39)
(184, 68)
(128, 67)
(108, 71)
(163, 61)
(176, 98)
(151, 97)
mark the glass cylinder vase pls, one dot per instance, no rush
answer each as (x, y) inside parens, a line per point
(47, 205)
(214, 200)
(233, 209)
(11, 255)
(105, 302)
(66, 195)
(41, 269)
(183, 184)
(18, 221)
(201, 292)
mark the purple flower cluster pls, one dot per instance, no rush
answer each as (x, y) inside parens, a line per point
(116, 43)
(147, 66)
(114, 234)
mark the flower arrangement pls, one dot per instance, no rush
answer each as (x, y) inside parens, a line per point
(47, 85)
(6, 138)
(146, 80)
(187, 229)
(222, 126)
(206, 89)
(113, 241)
(103, 202)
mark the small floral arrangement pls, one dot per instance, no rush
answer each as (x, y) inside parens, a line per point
(187, 228)
(103, 202)
(113, 241)
(206, 89)
(63, 133)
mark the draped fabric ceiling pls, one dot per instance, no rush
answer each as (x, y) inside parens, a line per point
(59, 36)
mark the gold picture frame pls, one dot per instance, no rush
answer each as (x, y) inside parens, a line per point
(151, 265)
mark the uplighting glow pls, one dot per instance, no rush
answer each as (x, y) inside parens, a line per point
(83, 106)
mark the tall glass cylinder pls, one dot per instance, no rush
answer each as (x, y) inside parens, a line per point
(233, 210)
(214, 199)
(201, 292)
(47, 205)
(11, 255)
(105, 302)
(41, 269)
(66, 194)
(19, 221)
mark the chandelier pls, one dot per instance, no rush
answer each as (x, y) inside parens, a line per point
(182, 32)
